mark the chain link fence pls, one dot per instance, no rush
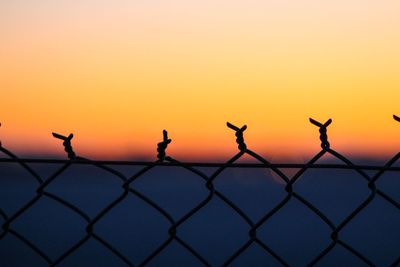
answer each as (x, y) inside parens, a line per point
(208, 180)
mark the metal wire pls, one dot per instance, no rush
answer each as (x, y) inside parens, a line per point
(209, 183)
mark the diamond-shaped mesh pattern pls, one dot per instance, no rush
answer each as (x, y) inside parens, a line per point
(128, 189)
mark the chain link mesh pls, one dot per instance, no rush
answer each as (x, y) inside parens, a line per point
(163, 159)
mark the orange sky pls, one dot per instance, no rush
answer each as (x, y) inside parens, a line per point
(115, 73)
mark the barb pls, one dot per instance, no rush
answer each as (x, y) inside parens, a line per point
(323, 132)
(67, 144)
(239, 135)
(162, 146)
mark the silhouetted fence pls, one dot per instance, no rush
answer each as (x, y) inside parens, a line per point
(208, 180)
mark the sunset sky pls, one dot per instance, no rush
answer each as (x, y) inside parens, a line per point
(116, 73)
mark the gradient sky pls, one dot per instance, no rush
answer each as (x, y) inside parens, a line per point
(115, 73)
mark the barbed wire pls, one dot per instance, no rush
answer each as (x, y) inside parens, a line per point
(163, 159)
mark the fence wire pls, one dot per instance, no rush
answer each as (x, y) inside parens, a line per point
(209, 180)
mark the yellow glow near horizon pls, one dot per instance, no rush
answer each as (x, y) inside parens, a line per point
(115, 73)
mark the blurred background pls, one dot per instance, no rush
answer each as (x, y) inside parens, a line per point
(116, 73)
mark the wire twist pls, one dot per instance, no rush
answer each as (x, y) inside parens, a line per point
(162, 146)
(323, 132)
(67, 144)
(239, 135)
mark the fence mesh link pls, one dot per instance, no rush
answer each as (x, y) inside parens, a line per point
(175, 223)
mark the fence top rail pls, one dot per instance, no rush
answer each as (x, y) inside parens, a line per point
(203, 164)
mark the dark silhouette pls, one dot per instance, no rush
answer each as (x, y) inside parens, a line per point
(209, 181)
